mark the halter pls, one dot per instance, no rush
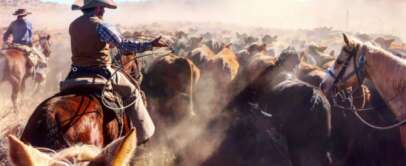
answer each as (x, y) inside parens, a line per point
(359, 69)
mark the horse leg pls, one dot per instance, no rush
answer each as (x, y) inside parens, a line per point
(15, 88)
(22, 87)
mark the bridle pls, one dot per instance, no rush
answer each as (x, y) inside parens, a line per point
(359, 72)
(359, 67)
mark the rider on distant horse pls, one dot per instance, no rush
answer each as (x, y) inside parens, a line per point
(91, 40)
(21, 30)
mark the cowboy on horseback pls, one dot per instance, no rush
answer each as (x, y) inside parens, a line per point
(22, 33)
(91, 41)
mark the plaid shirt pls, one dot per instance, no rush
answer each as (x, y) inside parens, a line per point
(110, 35)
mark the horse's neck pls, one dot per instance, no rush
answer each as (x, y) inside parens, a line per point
(387, 73)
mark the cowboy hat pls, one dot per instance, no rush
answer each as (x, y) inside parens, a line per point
(87, 4)
(21, 12)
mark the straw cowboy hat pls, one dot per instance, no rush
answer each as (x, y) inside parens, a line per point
(87, 4)
(21, 12)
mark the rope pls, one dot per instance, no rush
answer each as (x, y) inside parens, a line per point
(398, 124)
(105, 89)
(103, 98)
(350, 98)
(356, 112)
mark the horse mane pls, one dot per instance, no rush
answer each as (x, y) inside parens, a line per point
(77, 153)
(71, 156)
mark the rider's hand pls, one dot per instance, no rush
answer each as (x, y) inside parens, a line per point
(158, 42)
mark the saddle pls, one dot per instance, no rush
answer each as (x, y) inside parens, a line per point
(97, 86)
(26, 49)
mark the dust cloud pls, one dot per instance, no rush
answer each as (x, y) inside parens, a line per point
(368, 16)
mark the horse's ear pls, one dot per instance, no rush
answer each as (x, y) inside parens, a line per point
(346, 40)
(24, 155)
(120, 151)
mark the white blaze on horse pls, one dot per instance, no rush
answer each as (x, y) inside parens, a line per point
(358, 61)
(16, 67)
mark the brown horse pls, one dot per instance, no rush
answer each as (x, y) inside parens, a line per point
(14, 67)
(77, 117)
(359, 60)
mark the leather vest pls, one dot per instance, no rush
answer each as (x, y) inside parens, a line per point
(87, 48)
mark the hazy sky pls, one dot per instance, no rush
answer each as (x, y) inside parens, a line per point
(385, 16)
(71, 1)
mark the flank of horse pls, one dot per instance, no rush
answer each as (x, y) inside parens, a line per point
(385, 70)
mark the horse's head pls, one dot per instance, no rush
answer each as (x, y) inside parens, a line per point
(256, 48)
(117, 153)
(132, 67)
(44, 41)
(348, 68)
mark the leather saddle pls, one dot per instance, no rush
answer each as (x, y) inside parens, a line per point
(98, 86)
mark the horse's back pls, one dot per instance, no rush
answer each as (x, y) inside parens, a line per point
(63, 120)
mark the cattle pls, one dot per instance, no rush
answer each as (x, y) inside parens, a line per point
(244, 56)
(226, 62)
(169, 85)
(217, 75)
(311, 74)
(383, 42)
(215, 45)
(200, 56)
(260, 63)
(268, 39)
(273, 126)
(364, 37)
(314, 54)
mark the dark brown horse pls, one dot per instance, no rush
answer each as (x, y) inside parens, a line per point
(14, 67)
(77, 117)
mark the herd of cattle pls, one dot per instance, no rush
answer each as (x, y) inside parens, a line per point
(268, 87)
(254, 99)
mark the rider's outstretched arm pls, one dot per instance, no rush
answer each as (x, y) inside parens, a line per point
(110, 35)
